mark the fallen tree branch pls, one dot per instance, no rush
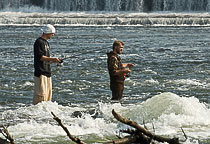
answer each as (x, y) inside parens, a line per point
(6, 134)
(126, 140)
(133, 138)
(77, 140)
(143, 130)
(3, 141)
(184, 133)
(138, 135)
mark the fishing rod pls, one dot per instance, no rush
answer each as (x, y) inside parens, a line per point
(62, 59)
(91, 51)
(59, 64)
(73, 56)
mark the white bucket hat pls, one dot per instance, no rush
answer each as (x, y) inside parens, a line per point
(48, 29)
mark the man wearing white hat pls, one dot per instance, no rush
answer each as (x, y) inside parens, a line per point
(42, 61)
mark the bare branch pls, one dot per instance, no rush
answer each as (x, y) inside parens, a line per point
(126, 140)
(3, 141)
(145, 124)
(143, 130)
(6, 134)
(77, 140)
(184, 133)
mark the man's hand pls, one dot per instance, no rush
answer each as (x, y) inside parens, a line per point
(55, 60)
(50, 59)
(130, 65)
(127, 71)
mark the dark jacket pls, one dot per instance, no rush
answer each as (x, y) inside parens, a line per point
(114, 63)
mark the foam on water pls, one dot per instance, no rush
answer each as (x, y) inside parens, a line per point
(36, 122)
(95, 18)
(169, 112)
(167, 103)
(190, 82)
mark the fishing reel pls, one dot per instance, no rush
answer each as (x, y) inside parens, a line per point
(127, 75)
(61, 61)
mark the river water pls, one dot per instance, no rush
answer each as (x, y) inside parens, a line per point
(168, 87)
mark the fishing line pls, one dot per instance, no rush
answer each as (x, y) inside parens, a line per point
(60, 64)
(105, 50)
(76, 55)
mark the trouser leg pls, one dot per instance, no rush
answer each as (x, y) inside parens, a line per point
(117, 91)
(43, 89)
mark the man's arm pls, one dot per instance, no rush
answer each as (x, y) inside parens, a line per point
(50, 59)
(130, 65)
(113, 67)
(122, 72)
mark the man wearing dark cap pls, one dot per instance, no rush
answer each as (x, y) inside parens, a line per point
(117, 70)
(42, 61)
